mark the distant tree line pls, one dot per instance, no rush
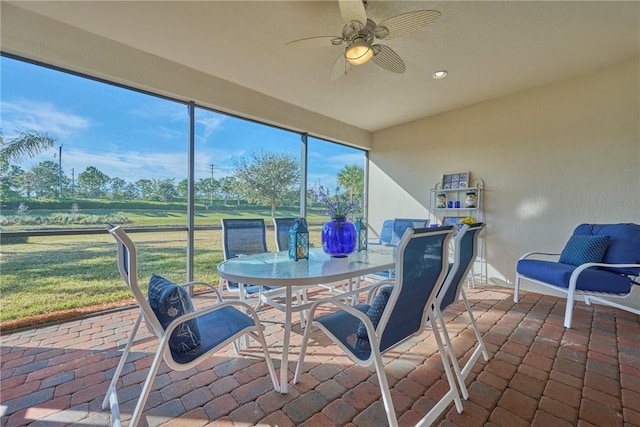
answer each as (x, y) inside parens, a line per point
(266, 178)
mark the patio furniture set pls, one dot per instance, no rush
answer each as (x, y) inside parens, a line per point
(366, 321)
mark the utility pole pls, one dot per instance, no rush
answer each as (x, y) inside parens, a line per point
(211, 189)
(60, 171)
(73, 182)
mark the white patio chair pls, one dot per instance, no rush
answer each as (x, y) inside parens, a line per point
(240, 237)
(187, 340)
(465, 251)
(366, 331)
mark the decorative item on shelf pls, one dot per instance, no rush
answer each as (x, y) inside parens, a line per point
(299, 240)
(455, 180)
(471, 200)
(339, 235)
(361, 232)
(441, 200)
(467, 220)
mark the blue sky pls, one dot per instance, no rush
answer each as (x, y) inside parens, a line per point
(131, 135)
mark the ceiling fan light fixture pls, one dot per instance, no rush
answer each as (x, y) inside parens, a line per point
(359, 52)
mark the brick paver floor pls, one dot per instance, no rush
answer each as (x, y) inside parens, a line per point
(538, 373)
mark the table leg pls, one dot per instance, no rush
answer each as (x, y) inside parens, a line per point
(284, 366)
(242, 298)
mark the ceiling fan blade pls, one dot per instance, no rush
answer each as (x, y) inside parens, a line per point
(353, 10)
(340, 68)
(388, 59)
(405, 24)
(322, 41)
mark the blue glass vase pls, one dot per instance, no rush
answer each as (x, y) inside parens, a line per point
(339, 237)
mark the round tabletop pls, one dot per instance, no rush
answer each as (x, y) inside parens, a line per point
(277, 269)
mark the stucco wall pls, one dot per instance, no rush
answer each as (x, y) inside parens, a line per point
(551, 157)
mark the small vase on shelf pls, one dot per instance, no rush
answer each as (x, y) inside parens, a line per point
(339, 237)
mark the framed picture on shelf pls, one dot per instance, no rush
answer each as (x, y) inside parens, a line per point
(446, 182)
(454, 181)
(451, 220)
(463, 181)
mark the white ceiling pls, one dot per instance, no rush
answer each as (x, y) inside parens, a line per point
(490, 49)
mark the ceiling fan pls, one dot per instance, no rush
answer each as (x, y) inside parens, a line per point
(359, 34)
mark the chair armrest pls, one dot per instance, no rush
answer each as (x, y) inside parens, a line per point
(537, 254)
(214, 307)
(573, 280)
(374, 288)
(207, 284)
(371, 331)
(369, 288)
(346, 307)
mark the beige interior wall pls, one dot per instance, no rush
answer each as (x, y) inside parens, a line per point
(37, 38)
(551, 157)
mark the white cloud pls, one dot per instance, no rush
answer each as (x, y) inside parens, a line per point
(210, 124)
(30, 115)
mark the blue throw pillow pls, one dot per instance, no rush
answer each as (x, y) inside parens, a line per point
(170, 301)
(582, 249)
(375, 311)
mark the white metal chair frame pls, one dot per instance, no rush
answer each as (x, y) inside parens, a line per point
(465, 252)
(375, 335)
(629, 301)
(127, 264)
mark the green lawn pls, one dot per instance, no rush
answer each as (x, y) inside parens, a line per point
(154, 217)
(48, 275)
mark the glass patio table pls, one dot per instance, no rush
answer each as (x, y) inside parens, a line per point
(276, 269)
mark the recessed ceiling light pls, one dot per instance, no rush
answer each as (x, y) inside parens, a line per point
(440, 74)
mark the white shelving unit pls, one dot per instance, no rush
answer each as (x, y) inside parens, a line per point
(459, 195)
(454, 195)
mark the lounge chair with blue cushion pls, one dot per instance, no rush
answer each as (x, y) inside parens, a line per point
(600, 262)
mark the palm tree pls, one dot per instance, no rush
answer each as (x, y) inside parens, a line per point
(351, 178)
(23, 146)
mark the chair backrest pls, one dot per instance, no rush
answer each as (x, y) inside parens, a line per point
(243, 237)
(400, 225)
(386, 232)
(282, 226)
(623, 246)
(128, 266)
(421, 266)
(465, 251)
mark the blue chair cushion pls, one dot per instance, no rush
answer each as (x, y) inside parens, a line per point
(170, 301)
(624, 244)
(558, 274)
(375, 311)
(582, 249)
